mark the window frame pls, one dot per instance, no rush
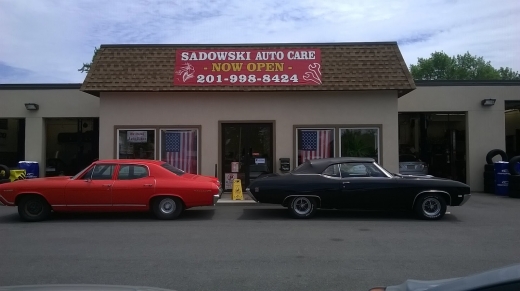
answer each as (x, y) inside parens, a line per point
(378, 141)
(82, 176)
(197, 129)
(129, 165)
(332, 177)
(136, 128)
(337, 137)
(298, 128)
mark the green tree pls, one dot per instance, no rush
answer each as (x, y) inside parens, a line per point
(440, 66)
(86, 66)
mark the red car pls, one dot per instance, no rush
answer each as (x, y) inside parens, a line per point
(113, 186)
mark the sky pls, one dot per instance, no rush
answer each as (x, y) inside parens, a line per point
(47, 41)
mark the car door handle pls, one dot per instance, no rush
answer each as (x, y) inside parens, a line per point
(148, 185)
(107, 185)
(346, 183)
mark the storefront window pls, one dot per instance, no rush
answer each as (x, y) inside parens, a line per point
(136, 144)
(314, 143)
(360, 142)
(179, 148)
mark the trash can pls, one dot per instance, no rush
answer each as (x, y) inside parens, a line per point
(32, 169)
(501, 178)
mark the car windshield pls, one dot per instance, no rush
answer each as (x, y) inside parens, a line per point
(79, 173)
(408, 158)
(173, 169)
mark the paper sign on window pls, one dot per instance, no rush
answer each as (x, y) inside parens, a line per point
(137, 136)
(230, 177)
(234, 167)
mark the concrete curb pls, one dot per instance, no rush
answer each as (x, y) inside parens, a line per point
(236, 202)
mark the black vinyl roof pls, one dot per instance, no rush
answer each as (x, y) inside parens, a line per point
(317, 166)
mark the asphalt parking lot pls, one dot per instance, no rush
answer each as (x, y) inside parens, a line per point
(243, 247)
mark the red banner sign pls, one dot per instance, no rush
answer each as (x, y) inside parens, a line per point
(243, 67)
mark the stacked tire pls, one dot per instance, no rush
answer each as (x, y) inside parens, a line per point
(489, 169)
(5, 173)
(514, 178)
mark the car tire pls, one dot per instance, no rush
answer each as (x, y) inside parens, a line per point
(303, 207)
(489, 168)
(430, 207)
(167, 207)
(33, 208)
(512, 166)
(5, 173)
(492, 153)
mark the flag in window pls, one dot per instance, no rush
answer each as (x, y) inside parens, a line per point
(181, 150)
(315, 144)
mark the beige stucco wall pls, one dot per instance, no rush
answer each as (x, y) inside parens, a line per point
(53, 103)
(485, 125)
(286, 108)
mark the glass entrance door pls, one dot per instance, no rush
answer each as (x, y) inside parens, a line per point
(247, 152)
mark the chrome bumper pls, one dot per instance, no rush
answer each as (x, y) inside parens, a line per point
(248, 192)
(466, 198)
(216, 197)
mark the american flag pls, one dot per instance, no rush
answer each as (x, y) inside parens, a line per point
(315, 144)
(181, 150)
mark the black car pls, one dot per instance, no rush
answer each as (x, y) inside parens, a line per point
(500, 279)
(357, 183)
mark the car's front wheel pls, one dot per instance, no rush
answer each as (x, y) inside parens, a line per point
(303, 207)
(33, 208)
(430, 207)
(167, 207)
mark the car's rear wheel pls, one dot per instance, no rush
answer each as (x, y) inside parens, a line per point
(430, 207)
(33, 208)
(167, 207)
(303, 207)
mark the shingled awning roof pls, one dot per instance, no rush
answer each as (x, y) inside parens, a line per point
(345, 67)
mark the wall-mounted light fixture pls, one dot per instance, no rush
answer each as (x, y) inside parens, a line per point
(31, 106)
(488, 102)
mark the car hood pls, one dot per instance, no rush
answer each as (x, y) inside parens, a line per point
(417, 285)
(415, 177)
(75, 287)
(476, 281)
(43, 179)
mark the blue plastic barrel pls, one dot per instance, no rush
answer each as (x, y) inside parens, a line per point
(501, 178)
(32, 169)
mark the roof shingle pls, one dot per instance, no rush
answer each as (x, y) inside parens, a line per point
(345, 67)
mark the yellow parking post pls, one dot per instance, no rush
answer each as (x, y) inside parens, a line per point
(237, 190)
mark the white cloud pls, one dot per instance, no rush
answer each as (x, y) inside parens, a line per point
(54, 37)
